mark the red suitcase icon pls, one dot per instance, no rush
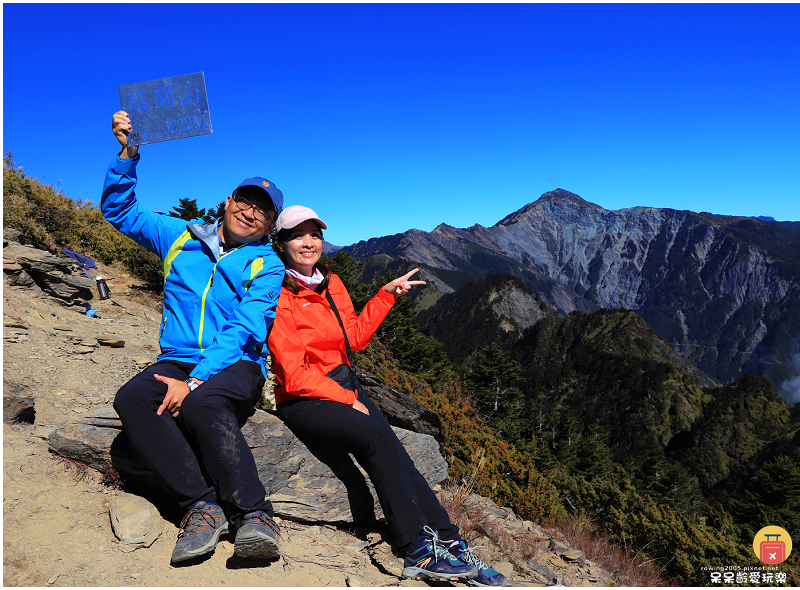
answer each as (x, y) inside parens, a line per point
(773, 552)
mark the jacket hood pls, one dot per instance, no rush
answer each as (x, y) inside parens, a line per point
(204, 230)
(207, 233)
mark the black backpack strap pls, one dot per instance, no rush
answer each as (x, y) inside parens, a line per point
(341, 324)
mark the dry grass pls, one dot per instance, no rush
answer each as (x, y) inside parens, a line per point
(79, 471)
(474, 523)
(629, 568)
(459, 494)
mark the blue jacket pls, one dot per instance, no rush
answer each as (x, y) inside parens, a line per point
(217, 307)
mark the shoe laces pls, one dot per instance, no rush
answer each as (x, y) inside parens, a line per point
(263, 518)
(439, 550)
(196, 519)
(467, 556)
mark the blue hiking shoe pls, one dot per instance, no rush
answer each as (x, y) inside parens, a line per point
(257, 537)
(427, 557)
(200, 531)
(486, 575)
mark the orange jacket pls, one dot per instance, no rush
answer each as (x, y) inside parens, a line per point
(306, 341)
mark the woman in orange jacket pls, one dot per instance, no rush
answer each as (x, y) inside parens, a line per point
(319, 398)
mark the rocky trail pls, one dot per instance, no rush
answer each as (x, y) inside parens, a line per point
(61, 366)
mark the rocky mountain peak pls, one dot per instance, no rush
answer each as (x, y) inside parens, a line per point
(445, 229)
(558, 196)
(561, 195)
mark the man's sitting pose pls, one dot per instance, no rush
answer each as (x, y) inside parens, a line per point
(183, 414)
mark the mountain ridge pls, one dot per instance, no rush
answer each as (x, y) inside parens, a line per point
(723, 290)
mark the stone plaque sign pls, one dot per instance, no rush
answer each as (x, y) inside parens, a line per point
(169, 108)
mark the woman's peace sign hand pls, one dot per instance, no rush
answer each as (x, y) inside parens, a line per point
(402, 285)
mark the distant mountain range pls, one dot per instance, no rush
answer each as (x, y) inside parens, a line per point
(328, 248)
(723, 291)
(609, 369)
(795, 225)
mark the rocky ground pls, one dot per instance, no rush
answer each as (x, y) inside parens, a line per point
(57, 531)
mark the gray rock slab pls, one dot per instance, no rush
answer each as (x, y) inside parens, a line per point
(55, 275)
(488, 508)
(400, 409)
(306, 485)
(544, 571)
(110, 341)
(573, 555)
(317, 484)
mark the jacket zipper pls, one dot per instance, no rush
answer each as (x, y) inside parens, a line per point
(203, 301)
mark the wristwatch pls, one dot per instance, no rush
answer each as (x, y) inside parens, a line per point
(192, 384)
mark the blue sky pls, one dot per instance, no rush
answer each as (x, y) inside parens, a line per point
(389, 117)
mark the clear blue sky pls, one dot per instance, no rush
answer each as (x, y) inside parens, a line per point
(390, 117)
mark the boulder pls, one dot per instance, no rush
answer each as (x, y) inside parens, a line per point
(135, 521)
(54, 275)
(401, 410)
(306, 485)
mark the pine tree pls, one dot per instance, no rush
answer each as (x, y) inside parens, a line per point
(540, 445)
(214, 214)
(495, 380)
(773, 497)
(348, 269)
(667, 481)
(568, 438)
(187, 209)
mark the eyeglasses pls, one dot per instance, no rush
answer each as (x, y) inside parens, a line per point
(243, 205)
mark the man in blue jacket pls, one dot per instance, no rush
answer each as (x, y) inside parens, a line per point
(184, 414)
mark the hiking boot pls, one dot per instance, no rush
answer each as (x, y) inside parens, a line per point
(427, 557)
(486, 575)
(200, 531)
(257, 537)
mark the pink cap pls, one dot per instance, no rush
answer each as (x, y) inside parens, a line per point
(295, 215)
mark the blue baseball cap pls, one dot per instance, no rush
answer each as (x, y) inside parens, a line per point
(268, 187)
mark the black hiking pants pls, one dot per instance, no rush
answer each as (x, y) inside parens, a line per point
(407, 500)
(201, 454)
